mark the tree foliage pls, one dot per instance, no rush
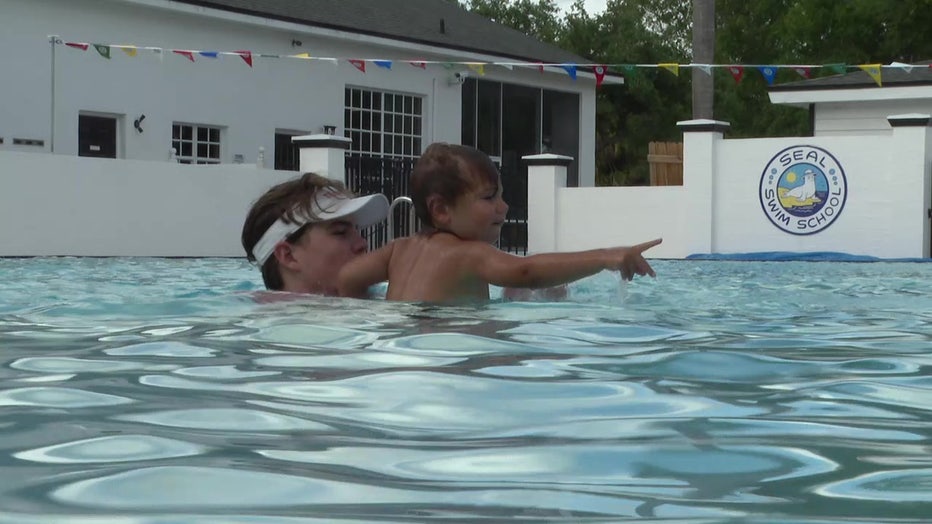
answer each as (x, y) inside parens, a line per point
(647, 107)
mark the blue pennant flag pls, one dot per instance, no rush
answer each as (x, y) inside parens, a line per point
(209, 54)
(387, 64)
(769, 72)
(570, 70)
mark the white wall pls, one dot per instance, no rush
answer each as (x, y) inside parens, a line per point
(719, 207)
(62, 205)
(249, 103)
(859, 117)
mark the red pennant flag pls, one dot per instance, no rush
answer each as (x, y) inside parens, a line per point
(540, 66)
(187, 54)
(599, 71)
(737, 72)
(422, 65)
(805, 72)
(82, 47)
(246, 56)
(359, 64)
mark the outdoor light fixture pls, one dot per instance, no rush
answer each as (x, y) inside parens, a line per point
(329, 129)
(138, 123)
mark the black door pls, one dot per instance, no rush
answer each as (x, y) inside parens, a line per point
(97, 136)
(286, 153)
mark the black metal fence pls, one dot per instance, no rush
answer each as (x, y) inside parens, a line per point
(367, 175)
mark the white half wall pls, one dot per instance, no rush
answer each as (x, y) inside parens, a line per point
(67, 205)
(874, 198)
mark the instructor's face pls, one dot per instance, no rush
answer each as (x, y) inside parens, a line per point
(323, 250)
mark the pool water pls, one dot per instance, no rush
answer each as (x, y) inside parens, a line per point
(160, 391)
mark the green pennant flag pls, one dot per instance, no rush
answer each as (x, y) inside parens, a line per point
(630, 69)
(837, 68)
(103, 50)
(448, 65)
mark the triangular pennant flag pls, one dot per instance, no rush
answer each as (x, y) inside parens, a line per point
(262, 55)
(333, 61)
(479, 68)
(187, 54)
(873, 70)
(508, 66)
(448, 65)
(769, 73)
(570, 70)
(76, 45)
(673, 68)
(905, 67)
(358, 64)
(246, 56)
(130, 50)
(304, 56)
(422, 65)
(803, 71)
(103, 50)
(209, 54)
(158, 51)
(599, 72)
(387, 64)
(737, 72)
(540, 66)
(630, 70)
(837, 68)
(705, 68)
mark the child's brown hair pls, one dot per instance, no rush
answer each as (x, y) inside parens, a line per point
(449, 171)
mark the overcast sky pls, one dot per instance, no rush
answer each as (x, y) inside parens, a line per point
(592, 6)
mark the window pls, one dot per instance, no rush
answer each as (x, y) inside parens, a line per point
(383, 124)
(196, 144)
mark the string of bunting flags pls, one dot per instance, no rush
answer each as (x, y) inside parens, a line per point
(737, 71)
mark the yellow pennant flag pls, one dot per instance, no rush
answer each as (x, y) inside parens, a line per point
(130, 50)
(479, 68)
(873, 70)
(673, 68)
(306, 56)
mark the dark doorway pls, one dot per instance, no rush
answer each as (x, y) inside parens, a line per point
(286, 153)
(97, 136)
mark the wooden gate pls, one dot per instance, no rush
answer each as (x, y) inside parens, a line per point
(666, 163)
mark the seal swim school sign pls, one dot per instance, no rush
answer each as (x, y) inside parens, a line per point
(803, 189)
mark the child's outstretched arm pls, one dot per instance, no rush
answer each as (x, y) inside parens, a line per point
(553, 269)
(363, 271)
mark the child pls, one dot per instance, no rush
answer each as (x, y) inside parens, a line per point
(457, 195)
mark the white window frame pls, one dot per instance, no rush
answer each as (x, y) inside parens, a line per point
(383, 123)
(198, 144)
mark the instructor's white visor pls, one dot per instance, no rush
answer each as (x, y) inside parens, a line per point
(361, 211)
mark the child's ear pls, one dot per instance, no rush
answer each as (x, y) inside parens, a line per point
(438, 210)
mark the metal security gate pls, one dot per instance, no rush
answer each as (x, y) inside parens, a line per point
(366, 175)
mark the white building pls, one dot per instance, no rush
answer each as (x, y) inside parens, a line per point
(853, 104)
(860, 185)
(60, 99)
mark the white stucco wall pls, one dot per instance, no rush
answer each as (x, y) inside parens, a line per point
(64, 205)
(250, 104)
(719, 208)
(855, 118)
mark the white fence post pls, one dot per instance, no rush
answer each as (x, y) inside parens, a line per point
(323, 154)
(546, 175)
(911, 158)
(701, 139)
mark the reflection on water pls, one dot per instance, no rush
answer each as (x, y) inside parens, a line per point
(157, 391)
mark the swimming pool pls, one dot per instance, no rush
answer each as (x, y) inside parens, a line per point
(157, 390)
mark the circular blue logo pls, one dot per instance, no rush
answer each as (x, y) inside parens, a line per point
(803, 189)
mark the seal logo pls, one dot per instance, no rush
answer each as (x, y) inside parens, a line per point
(803, 189)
